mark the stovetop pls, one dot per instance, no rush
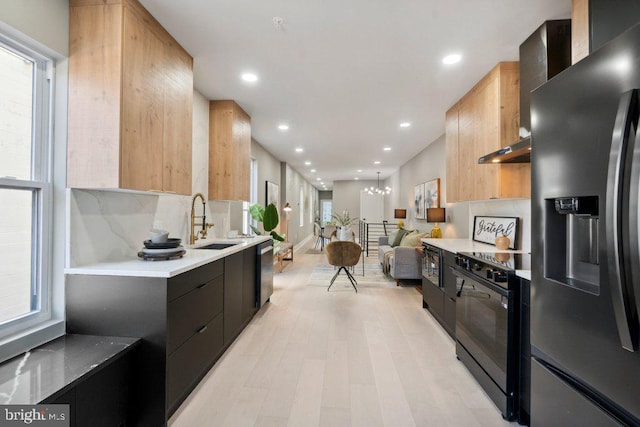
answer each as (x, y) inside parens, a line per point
(505, 261)
(496, 267)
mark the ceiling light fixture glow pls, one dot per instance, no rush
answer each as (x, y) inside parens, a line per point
(299, 150)
(454, 58)
(318, 179)
(249, 77)
(376, 162)
(405, 124)
(313, 171)
(307, 163)
(283, 127)
(359, 170)
(387, 148)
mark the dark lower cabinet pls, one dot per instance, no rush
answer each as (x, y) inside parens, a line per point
(103, 399)
(249, 285)
(185, 323)
(233, 316)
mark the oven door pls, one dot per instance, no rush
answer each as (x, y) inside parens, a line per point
(484, 316)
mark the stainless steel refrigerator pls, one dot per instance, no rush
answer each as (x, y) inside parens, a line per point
(585, 289)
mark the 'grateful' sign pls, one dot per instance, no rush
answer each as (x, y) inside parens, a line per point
(487, 228)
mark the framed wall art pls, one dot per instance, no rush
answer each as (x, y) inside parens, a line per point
(272, 194)
(419, 202)
(432, 193)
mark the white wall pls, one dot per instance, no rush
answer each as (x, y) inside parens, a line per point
(45, 21)
(293, 182)
(346, 195)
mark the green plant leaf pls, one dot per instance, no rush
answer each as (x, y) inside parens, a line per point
(277, 237)
(255, 230)
(257, 212)
(270, 220)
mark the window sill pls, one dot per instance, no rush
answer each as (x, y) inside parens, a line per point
(27, 339)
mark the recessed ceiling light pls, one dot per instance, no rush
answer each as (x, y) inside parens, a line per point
(405, 124)
(356, 178)
(299, 150)
(313, 171)
(359, 170)
(387, 148)
(283, 127)
(452, 59)
(377, 162)
(307, 163)
(318, 179)
(249, 77)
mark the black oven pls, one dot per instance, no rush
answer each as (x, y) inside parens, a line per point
(487, 329)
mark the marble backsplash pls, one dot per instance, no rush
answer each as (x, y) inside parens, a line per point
(105, 226)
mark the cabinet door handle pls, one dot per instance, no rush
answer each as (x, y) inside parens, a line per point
(201, 330)
(203, 285)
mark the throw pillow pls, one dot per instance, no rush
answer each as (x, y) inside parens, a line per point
(392, 237)
(399, 236)
(413, 240)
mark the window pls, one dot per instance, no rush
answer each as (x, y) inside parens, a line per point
(25, 187)
(326, 208)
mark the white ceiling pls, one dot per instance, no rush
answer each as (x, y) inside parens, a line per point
(344, 74)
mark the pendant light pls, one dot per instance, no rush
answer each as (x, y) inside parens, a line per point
(377, 190)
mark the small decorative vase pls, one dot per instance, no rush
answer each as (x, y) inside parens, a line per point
(343, 233)
(502, 242)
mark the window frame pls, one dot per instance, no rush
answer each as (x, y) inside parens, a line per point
(41, 184)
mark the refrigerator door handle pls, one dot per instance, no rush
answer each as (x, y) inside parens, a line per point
(626, 117)
(631, 241)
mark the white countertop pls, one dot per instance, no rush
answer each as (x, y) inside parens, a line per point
(467, 245)
(137, 267)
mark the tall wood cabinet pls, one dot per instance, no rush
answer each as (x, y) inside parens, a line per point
(485, 120)
(229, 151)
(130, 100)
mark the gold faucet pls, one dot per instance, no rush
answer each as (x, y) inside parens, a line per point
(205, 225)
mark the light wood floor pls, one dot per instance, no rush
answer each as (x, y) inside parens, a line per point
(313, 358)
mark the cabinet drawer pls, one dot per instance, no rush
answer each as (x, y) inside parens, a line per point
(187, 314)
(185, 282)
(189, 362)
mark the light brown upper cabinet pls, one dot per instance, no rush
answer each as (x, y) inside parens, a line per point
(130, 100)
(579, 30)
(229, 151)
(485, 120)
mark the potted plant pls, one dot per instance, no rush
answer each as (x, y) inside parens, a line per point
(344, 221)
(269, 218)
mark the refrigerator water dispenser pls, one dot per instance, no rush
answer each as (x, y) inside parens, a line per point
(572, 242)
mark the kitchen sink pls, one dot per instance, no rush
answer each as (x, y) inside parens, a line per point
(217, 246)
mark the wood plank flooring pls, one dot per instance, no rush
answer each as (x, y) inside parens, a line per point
(318, 358)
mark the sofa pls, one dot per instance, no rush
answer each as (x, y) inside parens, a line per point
(404, 262)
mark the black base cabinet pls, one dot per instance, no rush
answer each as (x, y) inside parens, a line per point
(185, 322)
(103, 399)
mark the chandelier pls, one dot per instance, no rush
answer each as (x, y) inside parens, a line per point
(377, 190)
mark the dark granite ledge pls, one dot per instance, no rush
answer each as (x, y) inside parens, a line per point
(53, 368)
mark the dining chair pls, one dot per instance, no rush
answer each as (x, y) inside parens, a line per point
(343, 254)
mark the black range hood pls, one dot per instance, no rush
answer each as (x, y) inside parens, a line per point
(543, 55)
(520, 152)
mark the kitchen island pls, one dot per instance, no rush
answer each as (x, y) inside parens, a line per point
(187, 312)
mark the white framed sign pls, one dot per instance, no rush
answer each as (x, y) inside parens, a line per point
(487, 228)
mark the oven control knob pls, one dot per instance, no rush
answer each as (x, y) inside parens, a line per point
(500, 276)
(477, 267)
(490, 273)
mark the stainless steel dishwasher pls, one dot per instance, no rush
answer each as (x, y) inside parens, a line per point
(264, 269)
